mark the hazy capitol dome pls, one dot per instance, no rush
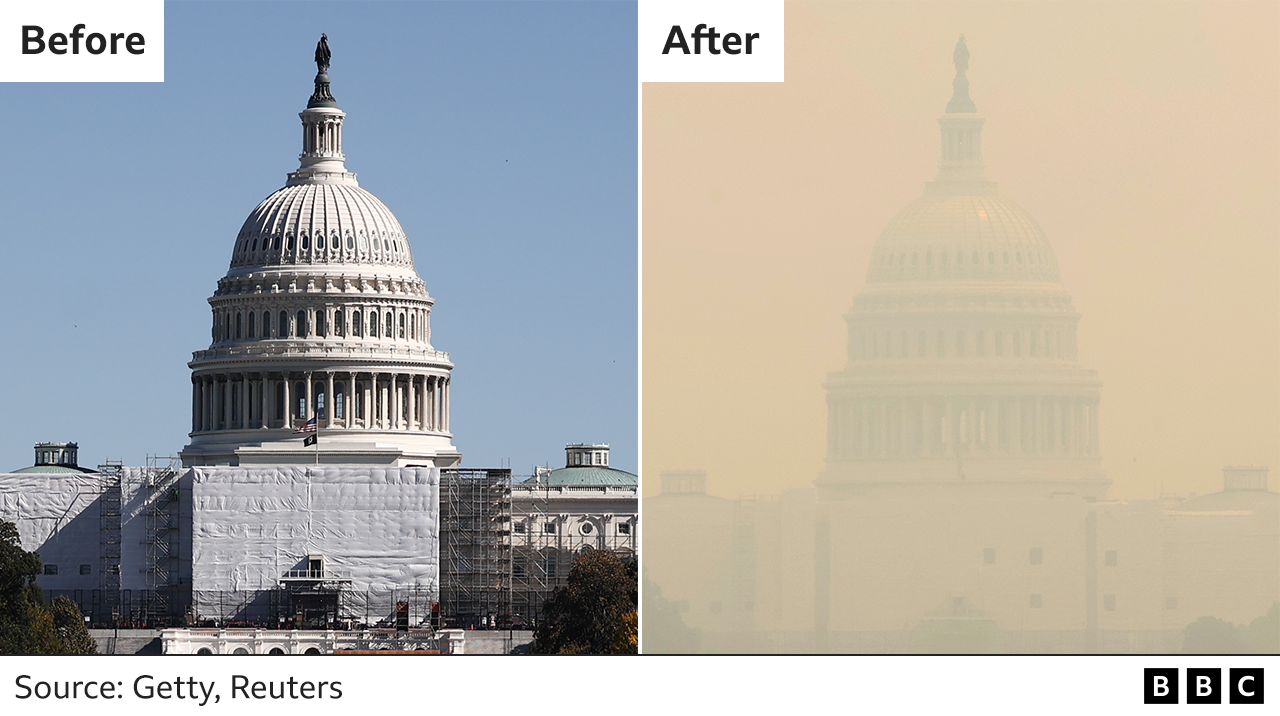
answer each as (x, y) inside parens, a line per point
(962, 344)
(321, 316)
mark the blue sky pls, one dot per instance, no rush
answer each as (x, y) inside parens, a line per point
(502, 135)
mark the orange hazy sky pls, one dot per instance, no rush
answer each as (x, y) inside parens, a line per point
(1144, 137)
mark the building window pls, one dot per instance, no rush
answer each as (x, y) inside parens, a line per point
(51, 569)
(320, 407)
(339, 402)
(517, 569)
(282, 329)
(390, 332)
(300, 391)
(355, 324)
(339, 323)
(1111, 558)
(360, 401)
(1037, 555)
(302, 324)
(1171, 603)
(252, 319)
(549, 528)
(518, 527)
(989, 555)
(551, 567)
(1109, 602)
(373, 324)
(280, 400)
(86, 569)
(1037, 601)
(586, 528)
(321, 328)
(266, 324)
(238, 319)
(624, 528)
(402, 325)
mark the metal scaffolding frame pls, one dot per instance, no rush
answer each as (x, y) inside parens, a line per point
(107, 608)
(475, 551)
(161, 512)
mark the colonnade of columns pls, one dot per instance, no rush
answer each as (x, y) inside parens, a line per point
(861, 428)
(351, 400)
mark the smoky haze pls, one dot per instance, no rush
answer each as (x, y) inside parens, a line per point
(1142, 139)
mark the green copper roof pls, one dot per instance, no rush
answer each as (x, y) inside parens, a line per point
(54, 468)
(587, 476)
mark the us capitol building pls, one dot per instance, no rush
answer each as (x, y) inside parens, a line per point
(962, 507)
(322, 316)
(321, 489)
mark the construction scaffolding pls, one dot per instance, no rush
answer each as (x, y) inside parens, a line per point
(475, 551)
(160, 477)
(534, 566)
(106, 610)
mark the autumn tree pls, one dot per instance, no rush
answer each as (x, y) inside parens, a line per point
(27, 624)
(595, 612)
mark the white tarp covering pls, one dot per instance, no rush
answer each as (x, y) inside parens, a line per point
(57, 516)
(375, 526)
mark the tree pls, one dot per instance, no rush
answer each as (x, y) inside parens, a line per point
(1210, 635)
(27, 624)
(69, 623)
(595, 612)
(664, 630)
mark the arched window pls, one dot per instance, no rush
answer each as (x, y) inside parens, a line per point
(320, 324)
(413, 335)
(373, 324)
(300, 391)
(238, 318)
(390, 333)
(319, 393)
(283, 328)
(266, 324)
(280, 400)
(351, 242)
(252, 319)
(355, 323)
(235, 404)
(320, 242)
(306, 242)
(339, 323)
(301, 326)
(275, 243)
(339, 402)
(360, 401)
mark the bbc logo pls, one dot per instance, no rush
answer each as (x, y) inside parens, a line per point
(1204, 686)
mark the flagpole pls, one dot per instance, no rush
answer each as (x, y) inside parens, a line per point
(317, 442)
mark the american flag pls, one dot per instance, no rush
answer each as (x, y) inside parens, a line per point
(307, 427)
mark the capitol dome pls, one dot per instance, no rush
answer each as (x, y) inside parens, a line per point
(321, 348)
(962, 236)
(961, 355)
(322, 223)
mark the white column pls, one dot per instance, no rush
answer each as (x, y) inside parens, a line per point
(307, 392)
(413, 403)
(349, 411)
(330, 405)
(288, 402)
